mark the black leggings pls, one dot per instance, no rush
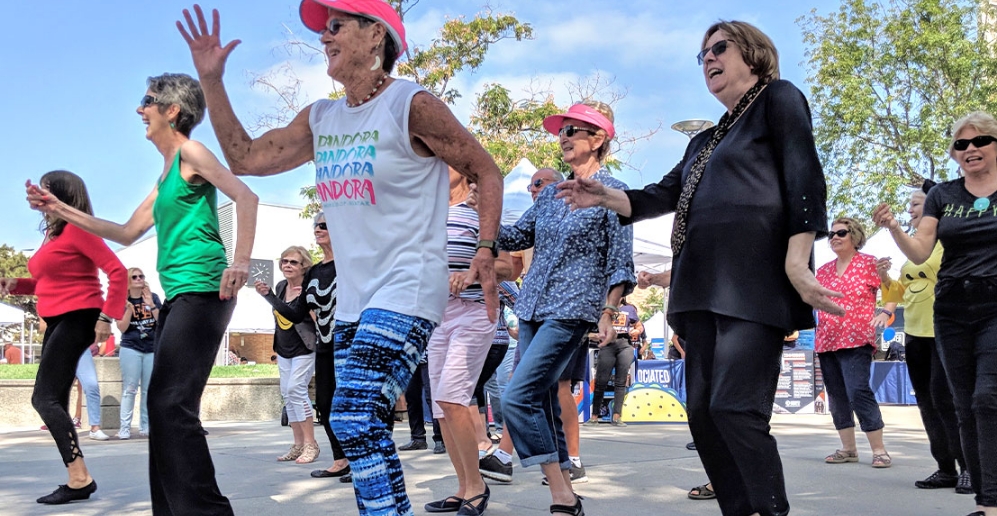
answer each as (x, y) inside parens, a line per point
(934, 399)
(181, 474)
(325, 389)
(66, 337)
(619, 356)
(496, 354)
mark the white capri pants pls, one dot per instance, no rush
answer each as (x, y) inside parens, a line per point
(295, 375)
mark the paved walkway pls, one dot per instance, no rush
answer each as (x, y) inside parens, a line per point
(638, 470)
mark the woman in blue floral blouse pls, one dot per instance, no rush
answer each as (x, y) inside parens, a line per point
(582, 266)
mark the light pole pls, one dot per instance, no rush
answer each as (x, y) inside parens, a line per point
(691, 128)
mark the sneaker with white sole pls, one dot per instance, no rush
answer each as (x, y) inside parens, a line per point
(124, 434)
(99, 435)
(575, 473)
(493, 468)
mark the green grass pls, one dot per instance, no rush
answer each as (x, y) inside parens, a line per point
(28, 371)
(18, 371)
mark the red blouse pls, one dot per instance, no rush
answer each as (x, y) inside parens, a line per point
(859, 284)
(64, 275)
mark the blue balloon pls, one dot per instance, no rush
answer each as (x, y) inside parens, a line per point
(888, 334)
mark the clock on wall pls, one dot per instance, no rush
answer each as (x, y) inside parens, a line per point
(261, 270)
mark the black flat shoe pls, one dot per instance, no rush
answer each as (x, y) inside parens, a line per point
(573, 510)
(322, 473)
(66, 494)
(469, 508)
(448, 504)
(346, 479)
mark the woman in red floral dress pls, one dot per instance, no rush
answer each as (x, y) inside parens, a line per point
(845, 345)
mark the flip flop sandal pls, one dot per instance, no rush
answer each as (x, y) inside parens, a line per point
(702, 492)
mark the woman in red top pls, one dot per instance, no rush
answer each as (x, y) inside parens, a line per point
(64, 277)
(846, 344)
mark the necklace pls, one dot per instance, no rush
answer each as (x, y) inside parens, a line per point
(373, 92)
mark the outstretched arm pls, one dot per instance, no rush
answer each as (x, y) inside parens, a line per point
(276, 151)
(125, 234)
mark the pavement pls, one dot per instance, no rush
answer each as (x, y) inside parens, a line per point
(638, 470)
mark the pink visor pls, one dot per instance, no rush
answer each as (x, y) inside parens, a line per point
(314, 14)
(583, 113)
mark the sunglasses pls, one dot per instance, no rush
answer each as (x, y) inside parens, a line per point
(841, 233)
(138, 276)
(147, 101)
(337, 23)
(979, 142)
(717, 48)
(285, 261)
(570, 130)
(321, 225)
(534, 185)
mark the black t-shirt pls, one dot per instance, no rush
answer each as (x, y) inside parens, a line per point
(318, 294)
(673, 352)
(289, 338)
(141, 333)
(968, 235)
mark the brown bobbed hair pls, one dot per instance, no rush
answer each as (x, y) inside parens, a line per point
(855, 230)
(68, 188)
(757, 49)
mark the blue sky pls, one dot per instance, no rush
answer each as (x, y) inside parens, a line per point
(74, 73)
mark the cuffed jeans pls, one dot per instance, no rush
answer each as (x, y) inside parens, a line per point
(136, 367)
(934, 400)
(966, 330)
(732, 370)
(846, 377)
(530, 404)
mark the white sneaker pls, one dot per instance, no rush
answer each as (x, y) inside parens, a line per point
(143, 433)
(124, 434)
(99, 435)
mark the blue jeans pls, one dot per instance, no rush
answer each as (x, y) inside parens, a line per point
(530, 405)
(375, 359)
(846, 377)
(136, 367)
(86, 373)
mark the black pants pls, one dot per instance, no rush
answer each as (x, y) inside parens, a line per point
(181, 474)
(846, 378)
(732, 369)
(325, 389)
(66, 337)
(417, 391)
(619, 356)
(934, 400)
(496, 354)
(966, 330)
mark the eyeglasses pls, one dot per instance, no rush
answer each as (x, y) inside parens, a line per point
(147, 101)
(321, 225)
(285, 261)
(841, 233)
(138, 276)
(717, 48)
(337, 23)
(536, 184)
(570, 130)
(979, 142)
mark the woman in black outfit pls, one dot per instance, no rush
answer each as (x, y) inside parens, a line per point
(749, 197)
(319, 295)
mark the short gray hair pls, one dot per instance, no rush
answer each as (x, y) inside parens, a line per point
(319, 215)
(184, 91)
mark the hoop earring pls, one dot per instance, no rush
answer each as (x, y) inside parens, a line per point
(377, 63)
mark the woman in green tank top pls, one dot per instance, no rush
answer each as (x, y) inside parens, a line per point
(200, 286)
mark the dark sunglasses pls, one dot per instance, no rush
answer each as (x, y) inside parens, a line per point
(322, 225)
(536, 184)
(841, 233)
(717, 48)
(285, 261)
(138, 276)
(147, 101)
(570, 130)
(979, 142)
(337, 23)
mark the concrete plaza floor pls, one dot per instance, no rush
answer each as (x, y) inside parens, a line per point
(637, 470)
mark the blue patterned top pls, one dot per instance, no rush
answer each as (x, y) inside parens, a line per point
(577, 256)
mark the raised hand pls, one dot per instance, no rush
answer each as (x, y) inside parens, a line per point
(147, 296)
(883, 217)
(582, 193)
(39, 198)
(883, 269)
(261, 288)
(205, 46)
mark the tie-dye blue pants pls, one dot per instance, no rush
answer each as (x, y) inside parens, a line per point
(375, 359)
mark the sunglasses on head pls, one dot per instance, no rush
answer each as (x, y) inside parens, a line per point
(138, 276)
(841, 233)
(570, 130)
(717, 48)
(285, 261)
(322, 226)
(979, 142)
(147, 101)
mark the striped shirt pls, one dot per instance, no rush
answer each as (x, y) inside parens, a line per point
(462, 243)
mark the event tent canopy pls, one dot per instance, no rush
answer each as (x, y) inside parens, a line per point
(11, 315)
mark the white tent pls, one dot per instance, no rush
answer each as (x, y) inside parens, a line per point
(515, 198)
(11, 315)
(655, 326)
(652, 244)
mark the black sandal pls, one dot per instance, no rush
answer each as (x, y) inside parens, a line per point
(703, 492)
(573, 510)
(469, 509)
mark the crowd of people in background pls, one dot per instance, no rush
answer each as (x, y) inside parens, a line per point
(415, 292)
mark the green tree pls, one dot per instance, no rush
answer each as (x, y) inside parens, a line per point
(14, 264)
(888, 79)
(653, 303)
